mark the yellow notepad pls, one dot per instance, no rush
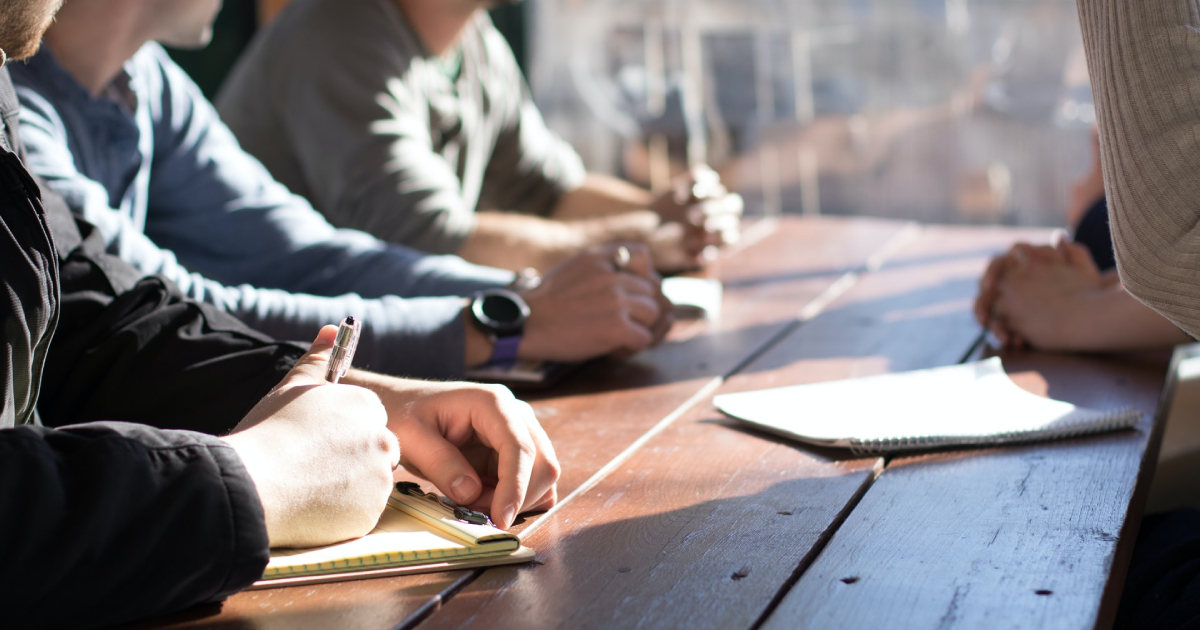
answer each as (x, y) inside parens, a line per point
(413, 535)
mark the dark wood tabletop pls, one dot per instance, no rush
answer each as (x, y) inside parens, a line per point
(672, 516)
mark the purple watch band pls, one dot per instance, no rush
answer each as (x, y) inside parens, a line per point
(504, 352)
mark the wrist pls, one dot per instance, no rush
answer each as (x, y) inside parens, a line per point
(500, 314)
(478, 344)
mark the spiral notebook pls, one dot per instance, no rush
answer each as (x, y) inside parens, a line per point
(414, 535)
(973, 404)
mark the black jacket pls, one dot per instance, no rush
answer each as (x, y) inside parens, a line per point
(104, 522)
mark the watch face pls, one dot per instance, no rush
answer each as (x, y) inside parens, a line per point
(501, 311)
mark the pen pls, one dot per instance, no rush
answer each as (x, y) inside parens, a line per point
(343, 349)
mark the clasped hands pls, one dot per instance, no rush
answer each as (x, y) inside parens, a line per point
(322, 456)
(699, 214)
(1039, 295)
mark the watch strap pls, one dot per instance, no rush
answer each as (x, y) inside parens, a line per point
(504, 350)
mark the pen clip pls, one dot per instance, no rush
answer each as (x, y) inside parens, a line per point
(457, 511)
(344, 346)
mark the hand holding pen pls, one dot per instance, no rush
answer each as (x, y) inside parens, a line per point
(321, 457)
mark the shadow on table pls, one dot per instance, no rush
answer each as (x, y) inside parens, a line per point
(912, 329)
(717, 563)
(819, 452)
(917, 261)
(925, 327)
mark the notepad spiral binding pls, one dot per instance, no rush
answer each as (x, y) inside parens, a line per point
(1077, 423)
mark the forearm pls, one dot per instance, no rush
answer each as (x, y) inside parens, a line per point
(602, 195)
(1142, 58)
(516, 241)
(107, 523)
(1112, 320)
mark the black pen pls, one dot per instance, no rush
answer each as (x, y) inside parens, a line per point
(343, 349)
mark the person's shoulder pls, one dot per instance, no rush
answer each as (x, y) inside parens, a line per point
(496, 54)
(151, 56)
(41, 74)
(327, 28)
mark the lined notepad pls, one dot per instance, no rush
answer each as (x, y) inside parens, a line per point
(412, 533)
(973, 404)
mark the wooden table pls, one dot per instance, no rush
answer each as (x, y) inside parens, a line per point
(674, 517)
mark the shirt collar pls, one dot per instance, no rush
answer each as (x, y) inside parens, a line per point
(119, 91)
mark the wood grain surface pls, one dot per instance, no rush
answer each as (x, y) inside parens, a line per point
(707, 523)
(1020, 537)
(604, 408)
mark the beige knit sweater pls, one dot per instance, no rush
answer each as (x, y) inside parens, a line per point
(1144, 59)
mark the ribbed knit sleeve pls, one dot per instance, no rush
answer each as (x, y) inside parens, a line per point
(1144, 59)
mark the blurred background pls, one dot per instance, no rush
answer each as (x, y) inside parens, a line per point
(949, 111)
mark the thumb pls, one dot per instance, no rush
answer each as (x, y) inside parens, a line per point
(310, 369)
(1078, 255)
(442, 463)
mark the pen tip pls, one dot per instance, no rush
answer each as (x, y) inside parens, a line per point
(350, 320)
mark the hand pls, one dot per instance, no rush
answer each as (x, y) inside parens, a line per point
(320, 455)
(585, 308)
(986, 311)
(480, 446)
(1044, 297)
(699, 214)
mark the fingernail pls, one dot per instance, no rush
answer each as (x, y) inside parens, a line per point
(510, 515)
(463, 489)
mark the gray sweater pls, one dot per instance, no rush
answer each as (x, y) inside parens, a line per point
(342, 102)
(1144, 59)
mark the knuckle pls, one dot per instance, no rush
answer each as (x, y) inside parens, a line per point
(553, 470)
(499, 392)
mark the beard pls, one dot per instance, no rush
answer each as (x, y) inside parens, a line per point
(22, 23)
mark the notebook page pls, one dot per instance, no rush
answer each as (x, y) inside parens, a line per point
(398, 538)
(962, 404)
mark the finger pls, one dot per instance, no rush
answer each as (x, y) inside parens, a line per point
(513, 471)
(310, 368)
(642, 309)
(630, 284)
(642, 301)
(1046, 254)
(1058, 237)
(641, 262)
(632, 336)
(665, 321)
(1019, 254)
(732, 235)
(392, 445)
(696, 238)
(442, 463)
(1078, 255)
(542, 492)
(987, 289)
(542, 503)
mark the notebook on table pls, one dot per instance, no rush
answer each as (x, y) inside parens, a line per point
(973, 404)
(417, 533)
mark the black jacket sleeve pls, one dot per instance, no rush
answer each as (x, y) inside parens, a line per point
(104, 523)
(132, 348)
(110, 522)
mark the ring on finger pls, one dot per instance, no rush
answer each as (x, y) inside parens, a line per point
(621, 259)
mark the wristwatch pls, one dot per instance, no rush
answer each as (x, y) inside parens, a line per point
(501, 314)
